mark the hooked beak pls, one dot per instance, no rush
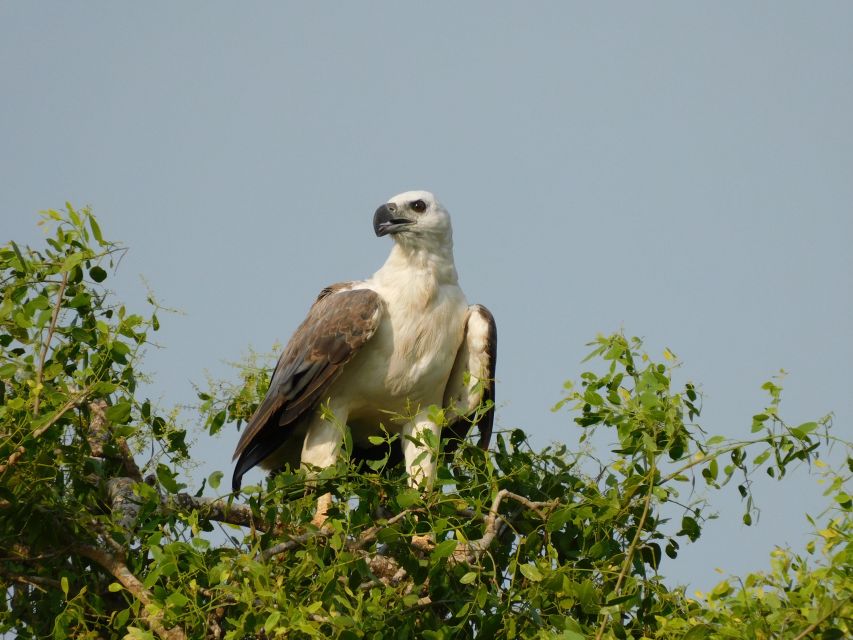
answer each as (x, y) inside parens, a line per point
(385, 222)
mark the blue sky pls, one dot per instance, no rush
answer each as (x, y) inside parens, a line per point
(681, 171)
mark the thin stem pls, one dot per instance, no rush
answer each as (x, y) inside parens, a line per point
(814, 625)
(63, 410)
(632, 548)
(46, 346)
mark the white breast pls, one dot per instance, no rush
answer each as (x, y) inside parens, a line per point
(413, 351)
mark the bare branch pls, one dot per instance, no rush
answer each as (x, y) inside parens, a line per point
(17, 453)
(38, 582)
(472, 550)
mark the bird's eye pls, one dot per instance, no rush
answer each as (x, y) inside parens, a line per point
(418, 206)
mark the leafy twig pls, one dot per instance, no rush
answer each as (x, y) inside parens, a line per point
(214, 509)
(296, 541)
(814, 625)
(73, 402)
(50, 332)
(632, 548)
(115, 565)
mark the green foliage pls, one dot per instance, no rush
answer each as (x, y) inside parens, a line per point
(512, 543)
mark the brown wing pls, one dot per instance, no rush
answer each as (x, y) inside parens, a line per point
(472, 381)
(337, 326)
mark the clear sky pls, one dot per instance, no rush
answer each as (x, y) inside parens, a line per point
(680, 170)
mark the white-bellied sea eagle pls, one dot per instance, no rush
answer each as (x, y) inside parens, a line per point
(396, 344)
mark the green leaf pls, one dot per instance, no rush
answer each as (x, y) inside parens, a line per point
(8, 370)
(6, 308)
(115, 587)
(166, 477)
(559, 518)
(690, 528)
(410, 599)
(272, 622)
(72, 261)
(468, 578)
(177, 600)
(619, 600)
(531, 572)
(698, 632)
(407, 498)
(104, 388)
(376, 439)
(217, 422)
(80, 300)
(805, 428)
(96, 231)
(19, 256)
(444, 549)
(63, 582)
(214, 478)
(761, 458)
(72, 215)
(97, 274)
(118, 413)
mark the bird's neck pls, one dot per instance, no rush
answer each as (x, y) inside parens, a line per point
(421, 260)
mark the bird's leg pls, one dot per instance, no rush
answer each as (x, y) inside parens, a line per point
(321, 449)
(321, 513)
(420, 442)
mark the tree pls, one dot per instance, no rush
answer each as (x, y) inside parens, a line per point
(99, 540)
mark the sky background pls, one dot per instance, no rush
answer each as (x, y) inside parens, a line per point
(680, 171)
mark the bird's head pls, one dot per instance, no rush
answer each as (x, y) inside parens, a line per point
(413, 217)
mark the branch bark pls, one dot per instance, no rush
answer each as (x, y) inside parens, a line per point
(215, 510)
(17, 453)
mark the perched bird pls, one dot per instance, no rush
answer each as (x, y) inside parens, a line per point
(382, 352)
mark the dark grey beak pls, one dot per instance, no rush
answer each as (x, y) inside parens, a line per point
(385, 220)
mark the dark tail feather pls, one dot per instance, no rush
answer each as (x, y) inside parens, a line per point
(250, 457)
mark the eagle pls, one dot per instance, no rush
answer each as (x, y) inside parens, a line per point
(382, 353)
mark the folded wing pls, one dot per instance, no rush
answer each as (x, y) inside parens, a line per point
(339, 323)
(471, 385)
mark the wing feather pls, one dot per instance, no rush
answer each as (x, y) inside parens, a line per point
(472, 381)
(339, 323)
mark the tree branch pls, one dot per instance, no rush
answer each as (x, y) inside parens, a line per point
(472, 550)
(99, 436)
(152, 614)
(215, 510)
(296, 541)
(17, 453)
(73, 402)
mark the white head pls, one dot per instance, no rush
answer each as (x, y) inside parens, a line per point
(414, 218)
